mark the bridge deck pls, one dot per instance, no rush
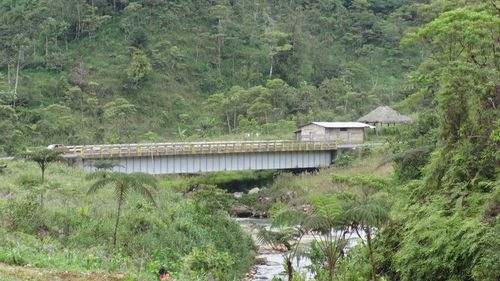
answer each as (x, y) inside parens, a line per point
(195, 148)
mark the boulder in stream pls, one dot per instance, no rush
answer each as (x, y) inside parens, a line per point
(261, 261)
(266, 200)
(237, 195)
(254, 190)
(241, 211)
(288, 196)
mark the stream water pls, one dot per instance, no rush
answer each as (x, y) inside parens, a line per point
(272, 265)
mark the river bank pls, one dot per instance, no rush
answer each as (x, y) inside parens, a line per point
(270, 262)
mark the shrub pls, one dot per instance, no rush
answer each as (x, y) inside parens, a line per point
(28, 180)
(343, 159)
(24, 215)
(208, 262)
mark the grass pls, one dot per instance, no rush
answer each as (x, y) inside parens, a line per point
(295, 189)
(72, 231)
(321, 181)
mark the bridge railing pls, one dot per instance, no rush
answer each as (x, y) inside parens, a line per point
(195, 148)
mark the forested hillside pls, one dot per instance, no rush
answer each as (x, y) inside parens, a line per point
(116, 71)
(424, 204)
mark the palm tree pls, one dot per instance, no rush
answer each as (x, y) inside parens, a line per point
(123, 184)
(278, 238)
(328, 220)
(43, 157)
(365, 207)
(290, 226)
(367, 210)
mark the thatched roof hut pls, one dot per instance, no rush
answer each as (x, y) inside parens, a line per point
(384, 115)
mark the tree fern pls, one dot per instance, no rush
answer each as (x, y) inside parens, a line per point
(123, 183)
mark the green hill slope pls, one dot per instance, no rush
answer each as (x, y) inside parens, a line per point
(117, 71)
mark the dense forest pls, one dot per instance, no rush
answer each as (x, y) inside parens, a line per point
(118, 71)
(99, 71)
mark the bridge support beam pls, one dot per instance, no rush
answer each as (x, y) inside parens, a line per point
(200, 163)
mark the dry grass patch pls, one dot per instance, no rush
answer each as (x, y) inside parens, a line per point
(321, 181)
(24, 273)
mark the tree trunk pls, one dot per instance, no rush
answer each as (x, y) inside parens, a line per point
(266, 120)
(79, 27)
(228, 123)
(120, 199)
(289, 269)
(197, 52)
(17, 79)
(233, 67)
(331, 252)
(8, 77)
(271, 68)
(43, 173)
(41, 199)
(370, 252)
(219, 57)
(46, 46)
(220, 44)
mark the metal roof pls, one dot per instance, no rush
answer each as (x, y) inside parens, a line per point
(340, 125)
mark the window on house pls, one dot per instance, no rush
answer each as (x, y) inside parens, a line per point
(343, 129)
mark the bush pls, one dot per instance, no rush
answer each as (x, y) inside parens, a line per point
(343, 159)
(24, 215)
(209, 263)
(76, 229)
(28, 180)
(138, 37)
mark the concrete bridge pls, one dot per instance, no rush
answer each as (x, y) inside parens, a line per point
(198, 157)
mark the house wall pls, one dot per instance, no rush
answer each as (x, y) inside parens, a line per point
(349, 135)
(311, 132)
(314, 132)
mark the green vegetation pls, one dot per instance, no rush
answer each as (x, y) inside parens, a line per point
(425, 205)
(231, 181)
(43, 157)
(130, 71)
(436, 218)
(123, 183)
(75, 231)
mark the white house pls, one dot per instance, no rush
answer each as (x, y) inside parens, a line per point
(343, 132)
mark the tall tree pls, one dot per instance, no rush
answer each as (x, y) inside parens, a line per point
(43, 157)
(367, 209)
